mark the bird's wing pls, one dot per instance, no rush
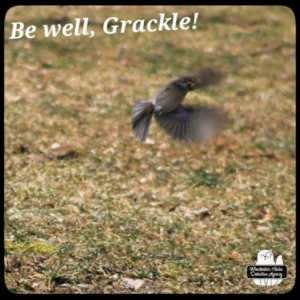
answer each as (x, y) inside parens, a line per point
(204, 78)
(193, 124)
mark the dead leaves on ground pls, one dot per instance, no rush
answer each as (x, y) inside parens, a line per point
(67, 154)
(259, 154)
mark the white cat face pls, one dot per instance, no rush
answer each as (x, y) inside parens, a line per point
(265, 257)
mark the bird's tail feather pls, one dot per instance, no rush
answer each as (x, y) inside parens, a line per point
(141, 119)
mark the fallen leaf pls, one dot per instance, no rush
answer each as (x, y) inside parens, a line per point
(183, 208)
(233, 257)
(262, 228)
(55, 146)
(149, 141)
(267, 217)
(173, 208)
(143, 180)
(83, 285)
(99, 226)
(158, 204)
(64, 285)
(232, 148)
(68, 154)
(259, 215)
(224, 211)
(76, 200)
(111, 150)
(203, 213)
(35, 284)
(133, 283)
(37, 275)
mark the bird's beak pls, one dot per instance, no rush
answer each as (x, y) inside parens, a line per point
(190, 84)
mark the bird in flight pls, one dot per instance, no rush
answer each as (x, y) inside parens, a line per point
(187, 123)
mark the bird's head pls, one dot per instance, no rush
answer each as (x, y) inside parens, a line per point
(186, 85)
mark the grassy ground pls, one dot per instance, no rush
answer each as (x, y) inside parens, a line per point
(87, 206)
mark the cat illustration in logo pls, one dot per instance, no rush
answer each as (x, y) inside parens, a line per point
(266, 257)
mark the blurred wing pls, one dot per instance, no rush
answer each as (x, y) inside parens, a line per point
(193, 124)
(200, 79)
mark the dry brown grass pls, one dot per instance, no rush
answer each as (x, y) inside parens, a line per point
(102, 207)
